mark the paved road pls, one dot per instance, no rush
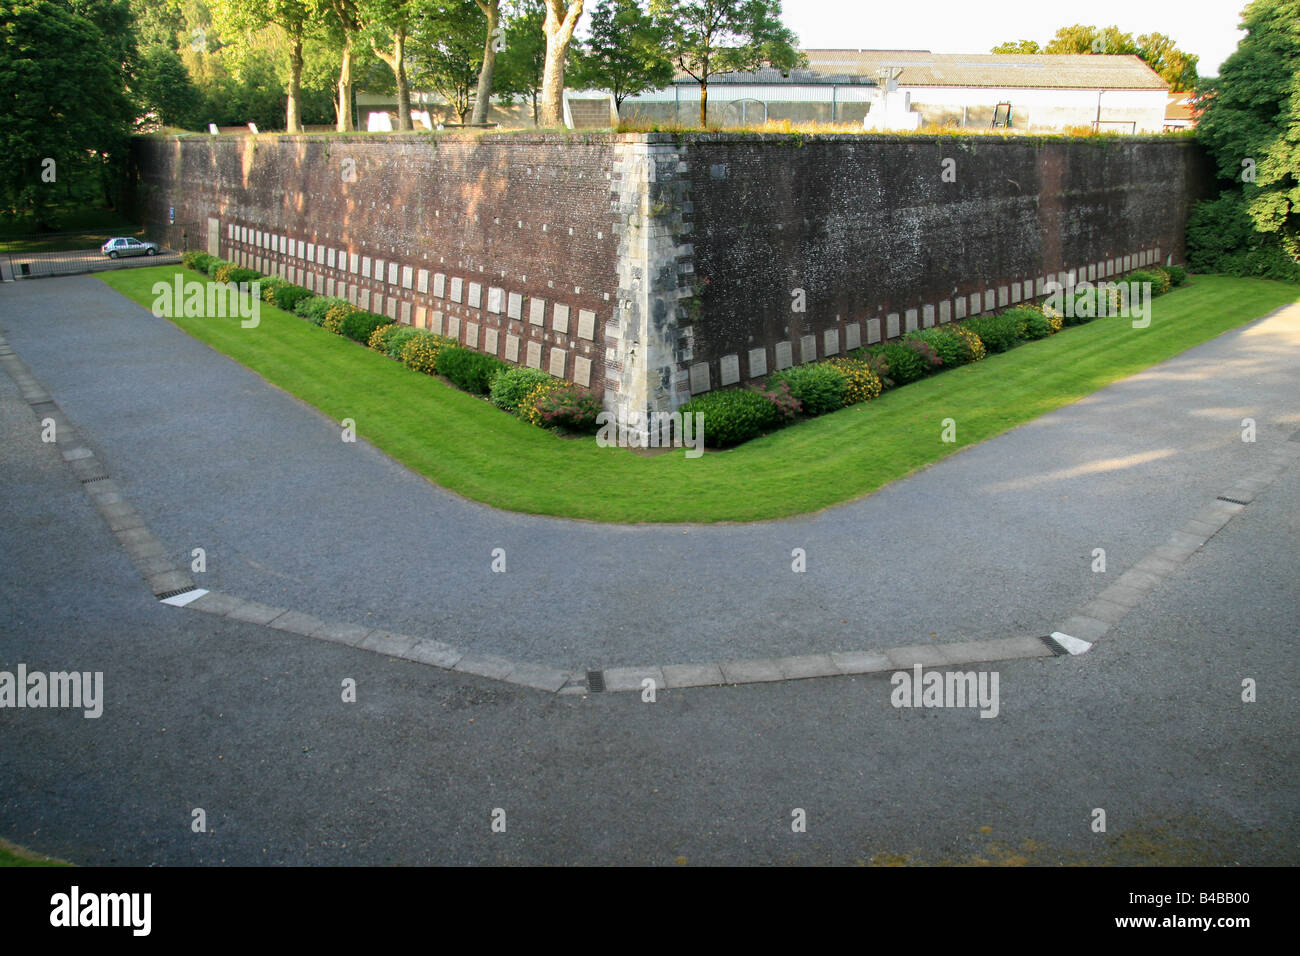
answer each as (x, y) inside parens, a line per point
(248, 723)
(996, 541)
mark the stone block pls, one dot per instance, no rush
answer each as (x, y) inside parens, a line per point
(784, 355)
(422, 281)
(440, 285)
(496, 300)
(945, 311)
(534, 355)
(757, 362)
(873, 331)
(537, 312)
(699, 378)
(515, 306)
(729, 369)
(457, 290)
(475, 297)
(807, 348)
(909, 320)
(831, 342)
(453, 327)
(471, 335)
(559, 318)
(582, 371)
(491, 340)
(556, 362)
(891, 325)
(852, 336)
(586, 324)
(435, 322)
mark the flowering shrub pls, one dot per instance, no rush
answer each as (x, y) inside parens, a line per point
(819, 386)
(786, 405)
(945, 343)
(861, 384)
(1029, 323)
(971, 342)
(569, 407)
(420, 353)
(530, 409)
(269, 285)
(511, 387)
(905, 364)
(997, 332)
(1165, 280)
(334, 317)
(223, 271)
(379, 337)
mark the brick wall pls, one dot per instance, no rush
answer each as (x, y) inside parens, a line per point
(650, 267)
(506, 242)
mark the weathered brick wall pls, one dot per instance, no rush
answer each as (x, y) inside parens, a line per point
(878, 241)
(505, 242)
(650, 267)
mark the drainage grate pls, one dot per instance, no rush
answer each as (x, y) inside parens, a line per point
(1054, 647)
(86, 481)
(596, 681)
(170, 594)
(1231, 501)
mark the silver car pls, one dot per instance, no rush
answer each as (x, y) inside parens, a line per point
(126, 246)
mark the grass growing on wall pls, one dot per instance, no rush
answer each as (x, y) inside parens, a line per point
(466, 445)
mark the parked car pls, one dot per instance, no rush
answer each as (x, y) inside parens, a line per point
(126, 246)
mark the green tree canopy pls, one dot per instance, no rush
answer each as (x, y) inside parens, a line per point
(624, 52)
(1158, 51)
(708, 38)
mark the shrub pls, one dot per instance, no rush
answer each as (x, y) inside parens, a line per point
(196, 260)
(315, 308)
(905, 364)
(288, 295)
(358, 325)
(468, 370)
(973, 344)
(530, 406)
(950, 349)
(567, 406)
(397, 339)
(860, 383)
(1221, 237)
(819, 387)
(380, 337)
(1166, 280)
(214, 264)
(997, 332)
(786, 405)
(334, 317)
(1142, 275)
(222, 273)
(510, 387)
(269, 285)
(420, 352)
(732, 416)
(1029, 323)
(243, 275)
(1177, 275)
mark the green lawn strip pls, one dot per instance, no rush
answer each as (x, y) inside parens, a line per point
(464, 444)
(13, 855)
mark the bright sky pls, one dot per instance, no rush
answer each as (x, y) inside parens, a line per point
(1207, 28)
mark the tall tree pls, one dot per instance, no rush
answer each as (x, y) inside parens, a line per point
(163, 88)
(521, 67)
(388, 25)
(624, 51)
(491, 9)
(295, 17)
(708, 38)
(561, 17)
(62, 83)
(446, 44)
(345, 25)
(1251, 125)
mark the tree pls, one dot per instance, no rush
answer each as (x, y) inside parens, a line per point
(521, 67)
(561, 17)
(1158, 51)
(445, 51)
(624, 53)
(345, 26)
(491, 9)
(708, 38)
(1251, 125)
(64, 94)
(1017, 46)
(389, 21)
(163, 87)
(294, 17)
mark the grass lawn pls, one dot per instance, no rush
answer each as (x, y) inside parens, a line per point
(464, 444)
(11, 855)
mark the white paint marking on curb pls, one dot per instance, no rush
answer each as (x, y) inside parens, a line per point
(1071, 644)
(180, 600)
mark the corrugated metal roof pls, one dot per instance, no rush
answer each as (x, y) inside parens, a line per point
(922, 68)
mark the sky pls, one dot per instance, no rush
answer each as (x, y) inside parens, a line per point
(1207, 28)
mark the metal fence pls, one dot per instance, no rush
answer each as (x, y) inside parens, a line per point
(174, 240)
